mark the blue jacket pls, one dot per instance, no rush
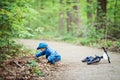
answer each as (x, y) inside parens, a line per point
(51, 55)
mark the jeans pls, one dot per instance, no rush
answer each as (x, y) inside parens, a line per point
(53, 59)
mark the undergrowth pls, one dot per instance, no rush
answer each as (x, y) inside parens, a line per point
(86, 41)
(12, 51)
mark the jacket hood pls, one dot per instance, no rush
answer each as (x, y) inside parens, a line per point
(42, 45)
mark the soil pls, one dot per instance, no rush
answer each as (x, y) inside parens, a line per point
(73, 69)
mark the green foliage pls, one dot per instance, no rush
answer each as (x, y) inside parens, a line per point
(47, 17)
(118, 43)
(49, 12)
(12, 51)
(40, 19)
(13, 17)
(68, 38)
(34, 68)
(113, 12)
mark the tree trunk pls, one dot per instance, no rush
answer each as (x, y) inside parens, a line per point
(101, 14)
(76, 18)
(68, 12)
(53, 2)
(89, 12)
(116, 32)
(61, 19)
(72, 18)
(69, 21)
(115, 13)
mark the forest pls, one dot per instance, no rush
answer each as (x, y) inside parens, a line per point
(83, 22)
(94, 23)
(86, 22)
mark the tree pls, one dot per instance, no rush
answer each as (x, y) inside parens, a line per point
(114, 28)
(73, 18)
(61, 18)
(101, 13)
(13, 18)
(89, 10)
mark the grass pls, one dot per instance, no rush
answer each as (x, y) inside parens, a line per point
(93, 42)
(16, 50)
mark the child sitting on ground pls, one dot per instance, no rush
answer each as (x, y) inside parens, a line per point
(51, 55)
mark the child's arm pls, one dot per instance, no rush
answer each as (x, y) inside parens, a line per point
(39, 54)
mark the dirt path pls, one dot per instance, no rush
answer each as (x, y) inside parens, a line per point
(75, 69)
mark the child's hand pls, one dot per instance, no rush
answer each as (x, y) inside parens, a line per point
(49, 63)
(37, 59)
